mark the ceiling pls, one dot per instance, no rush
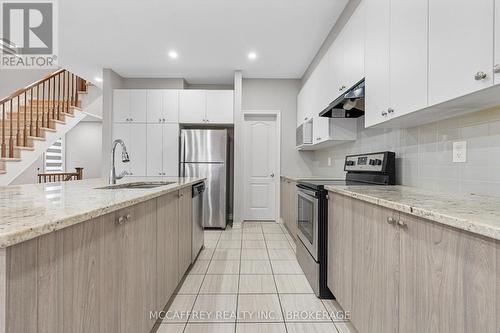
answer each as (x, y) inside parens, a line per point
(212, 37)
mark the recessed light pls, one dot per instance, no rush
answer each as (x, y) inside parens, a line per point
(252, 56)
(98, 79)
(173, 55)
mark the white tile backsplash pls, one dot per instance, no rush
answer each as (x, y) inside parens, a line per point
(424, 153)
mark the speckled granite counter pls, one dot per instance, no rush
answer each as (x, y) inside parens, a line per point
(28, 211)
(474, 213)
(297, 178)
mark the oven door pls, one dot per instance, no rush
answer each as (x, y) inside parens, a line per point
(307, 220)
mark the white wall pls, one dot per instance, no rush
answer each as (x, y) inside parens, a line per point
(83, 148)
(280, 94)
(30, 175)
(12, 80)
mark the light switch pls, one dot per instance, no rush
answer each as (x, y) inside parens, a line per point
(460, 152)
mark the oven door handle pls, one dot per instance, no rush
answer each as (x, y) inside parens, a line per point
(307, 192)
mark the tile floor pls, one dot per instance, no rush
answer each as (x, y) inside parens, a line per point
(247, 279)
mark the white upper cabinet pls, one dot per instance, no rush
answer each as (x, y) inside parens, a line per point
(138, 105)
(206, 106)
(163, 106)
(220, 105)
(192, 106)
(460, 47)
(129, 105)
(408, 56)
(121, 106)
(377, 75)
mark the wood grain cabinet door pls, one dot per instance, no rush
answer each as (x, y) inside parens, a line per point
(185, 230)
(448, 279)
(375, 260)
(167, 254)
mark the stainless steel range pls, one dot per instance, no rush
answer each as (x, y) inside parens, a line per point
(312, 214)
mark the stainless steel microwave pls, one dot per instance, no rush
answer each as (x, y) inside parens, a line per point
(304, 133)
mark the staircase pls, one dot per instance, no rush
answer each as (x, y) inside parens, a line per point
(33, 118)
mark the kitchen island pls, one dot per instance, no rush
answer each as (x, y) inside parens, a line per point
(77, 257)
(403, 259)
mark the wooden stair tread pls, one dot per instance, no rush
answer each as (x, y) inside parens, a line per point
(10, 159)
(24, 148)
(38, 138)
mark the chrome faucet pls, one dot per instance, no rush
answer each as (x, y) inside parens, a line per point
(125, 158)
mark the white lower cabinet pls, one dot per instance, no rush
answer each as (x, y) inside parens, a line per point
(162, 149)
(134, 137)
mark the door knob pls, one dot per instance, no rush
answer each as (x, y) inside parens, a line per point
(480, 76)
(496, 68)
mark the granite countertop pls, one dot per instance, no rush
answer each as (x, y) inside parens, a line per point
(28, 211)
(297, 178)
(474, 213)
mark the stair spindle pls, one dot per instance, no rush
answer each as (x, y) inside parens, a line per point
(64, 93)
(37, 108)
(43, 105)
(69, 96)
(54, 97)
(31, 112)
(25, 133)
(18, 132)
(4, 147)
(11, 139)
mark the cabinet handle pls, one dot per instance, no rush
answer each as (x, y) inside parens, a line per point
(127, 217)
(390, 110)
(496, 68)
(159, 120)
(305, 118)
(401, 223)
(317, 139)
(384, 113)
(391, 220)
(480, 76)
(163, 119)
(341, 88)
(120, 220)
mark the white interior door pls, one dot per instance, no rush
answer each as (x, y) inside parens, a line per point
(261, 166)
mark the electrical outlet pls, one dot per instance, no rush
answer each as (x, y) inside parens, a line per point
(329, 161)
(460, 152)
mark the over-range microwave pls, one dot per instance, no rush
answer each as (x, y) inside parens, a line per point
(304, 133)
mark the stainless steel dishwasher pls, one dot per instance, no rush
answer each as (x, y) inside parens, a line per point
(197, 237)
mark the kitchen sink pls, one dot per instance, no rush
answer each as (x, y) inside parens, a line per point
(136, 185)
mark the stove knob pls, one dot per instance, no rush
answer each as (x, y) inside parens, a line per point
(372, 162)
(350, 163)
(378, 162)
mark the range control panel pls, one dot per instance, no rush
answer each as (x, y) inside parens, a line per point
(366, 162)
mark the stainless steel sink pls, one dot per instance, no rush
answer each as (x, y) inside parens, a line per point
(136, 185)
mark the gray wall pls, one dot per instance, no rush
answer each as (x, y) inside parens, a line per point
(279, 94)
(83, 148)
(153, 83)
(424, 153)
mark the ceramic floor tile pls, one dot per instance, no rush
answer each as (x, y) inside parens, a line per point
(229, 244)
(272, 230)
(206, 254)
(224, 267)
(210, 244)
(275, 237)
(191, 284)
(252, 236)
(254, 254)
(214, 308)
(255, 267)
(253, 244)
(282, 254)
(259, 308)
(226, 254)
(170, 328)
(311, 328)
(303, 308)
(257, 284)
(293, 284)
(260, 328)
(209, 328)
(230, 236)
(211, 236)
(199, 267)
(220, 284)
(286, 267)
(179, 309)
(338, 316)
(278, 244)
(253, 230)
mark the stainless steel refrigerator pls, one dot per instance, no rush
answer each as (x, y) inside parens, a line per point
(204, 154)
